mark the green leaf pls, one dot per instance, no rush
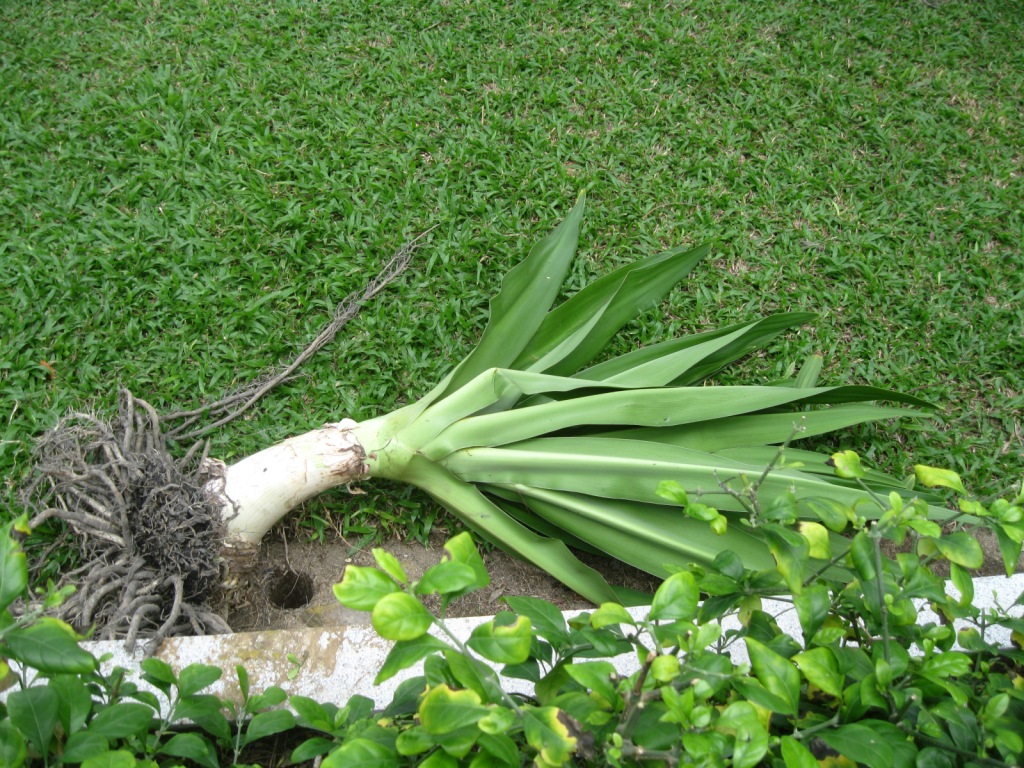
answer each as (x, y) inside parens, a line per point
(862, 553)
(791, 552)
(546, 619)
(820, 667)
(158, 673)
(943, 665)
(812, 607)
(13, 750)
(820, 546)
(443, 710)
(75, 701)
(447, 577)
(51, 647)
(750, 739)
(398, 616)
(962, 581)
(546, 733)
(776, 673)
(847, 465)
(390, 565)
(115, 759)
(13, 568)
(121, 719)
(361, 588)
(361, 753)
(527, 292)
(196, 677)
(34, 712)
(796, 755)
(497, 720)
(406, 653)
(480, 514)
(873, 743)
(311, 749)
(573, 333)
(267, 724)
(462, 549)
(311, 713)
(191, 747)
(599, 677)
(81, 745)
(962, 549)
(676, 599)
(503, 644)
(609, 614)
(933, 477)
(673, 492)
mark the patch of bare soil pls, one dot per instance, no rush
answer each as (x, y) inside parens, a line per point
(293, 591)
(296, 592)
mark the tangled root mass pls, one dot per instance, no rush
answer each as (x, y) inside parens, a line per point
(149, 542)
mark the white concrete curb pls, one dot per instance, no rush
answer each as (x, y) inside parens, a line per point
(335, 664)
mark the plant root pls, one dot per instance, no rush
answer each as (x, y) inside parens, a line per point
(149, 540)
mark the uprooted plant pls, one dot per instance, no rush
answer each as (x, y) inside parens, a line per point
(528, 441)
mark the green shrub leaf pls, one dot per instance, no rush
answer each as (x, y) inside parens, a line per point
(361, 588)
(676, 599)
(547, 621)
(446, 577)
(116, 759)
(361, 753)
(121, 720)
(504, 644)
(820, 667)
(34, 712)
(51, 647)
(267, 724)
(390, 565)
(443, 710)
(196, 677)
(546, 733)
(405, 653)
(873, 743)
(398, 616)
(933, 477)
(776, 673)
(13, 569)
(191, 747)
(962, 549)
(13, 750)
(796, 755)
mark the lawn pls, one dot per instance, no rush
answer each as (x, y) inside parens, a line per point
(189, 188)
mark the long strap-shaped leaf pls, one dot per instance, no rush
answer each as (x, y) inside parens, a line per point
(742, 338)
(488, 520)
(527, 292)
(644, 407)
(647, 536)
(612, 300)
(761, 429)
(631, 469)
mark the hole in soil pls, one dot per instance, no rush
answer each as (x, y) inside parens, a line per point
(291, 589)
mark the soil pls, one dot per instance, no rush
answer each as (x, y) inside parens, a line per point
(293, 591)
(283, 598)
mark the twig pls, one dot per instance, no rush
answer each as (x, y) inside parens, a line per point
(249, 395)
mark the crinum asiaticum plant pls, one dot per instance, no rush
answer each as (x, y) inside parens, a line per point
(534, 446)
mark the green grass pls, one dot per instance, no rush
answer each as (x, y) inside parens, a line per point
(188, 188)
